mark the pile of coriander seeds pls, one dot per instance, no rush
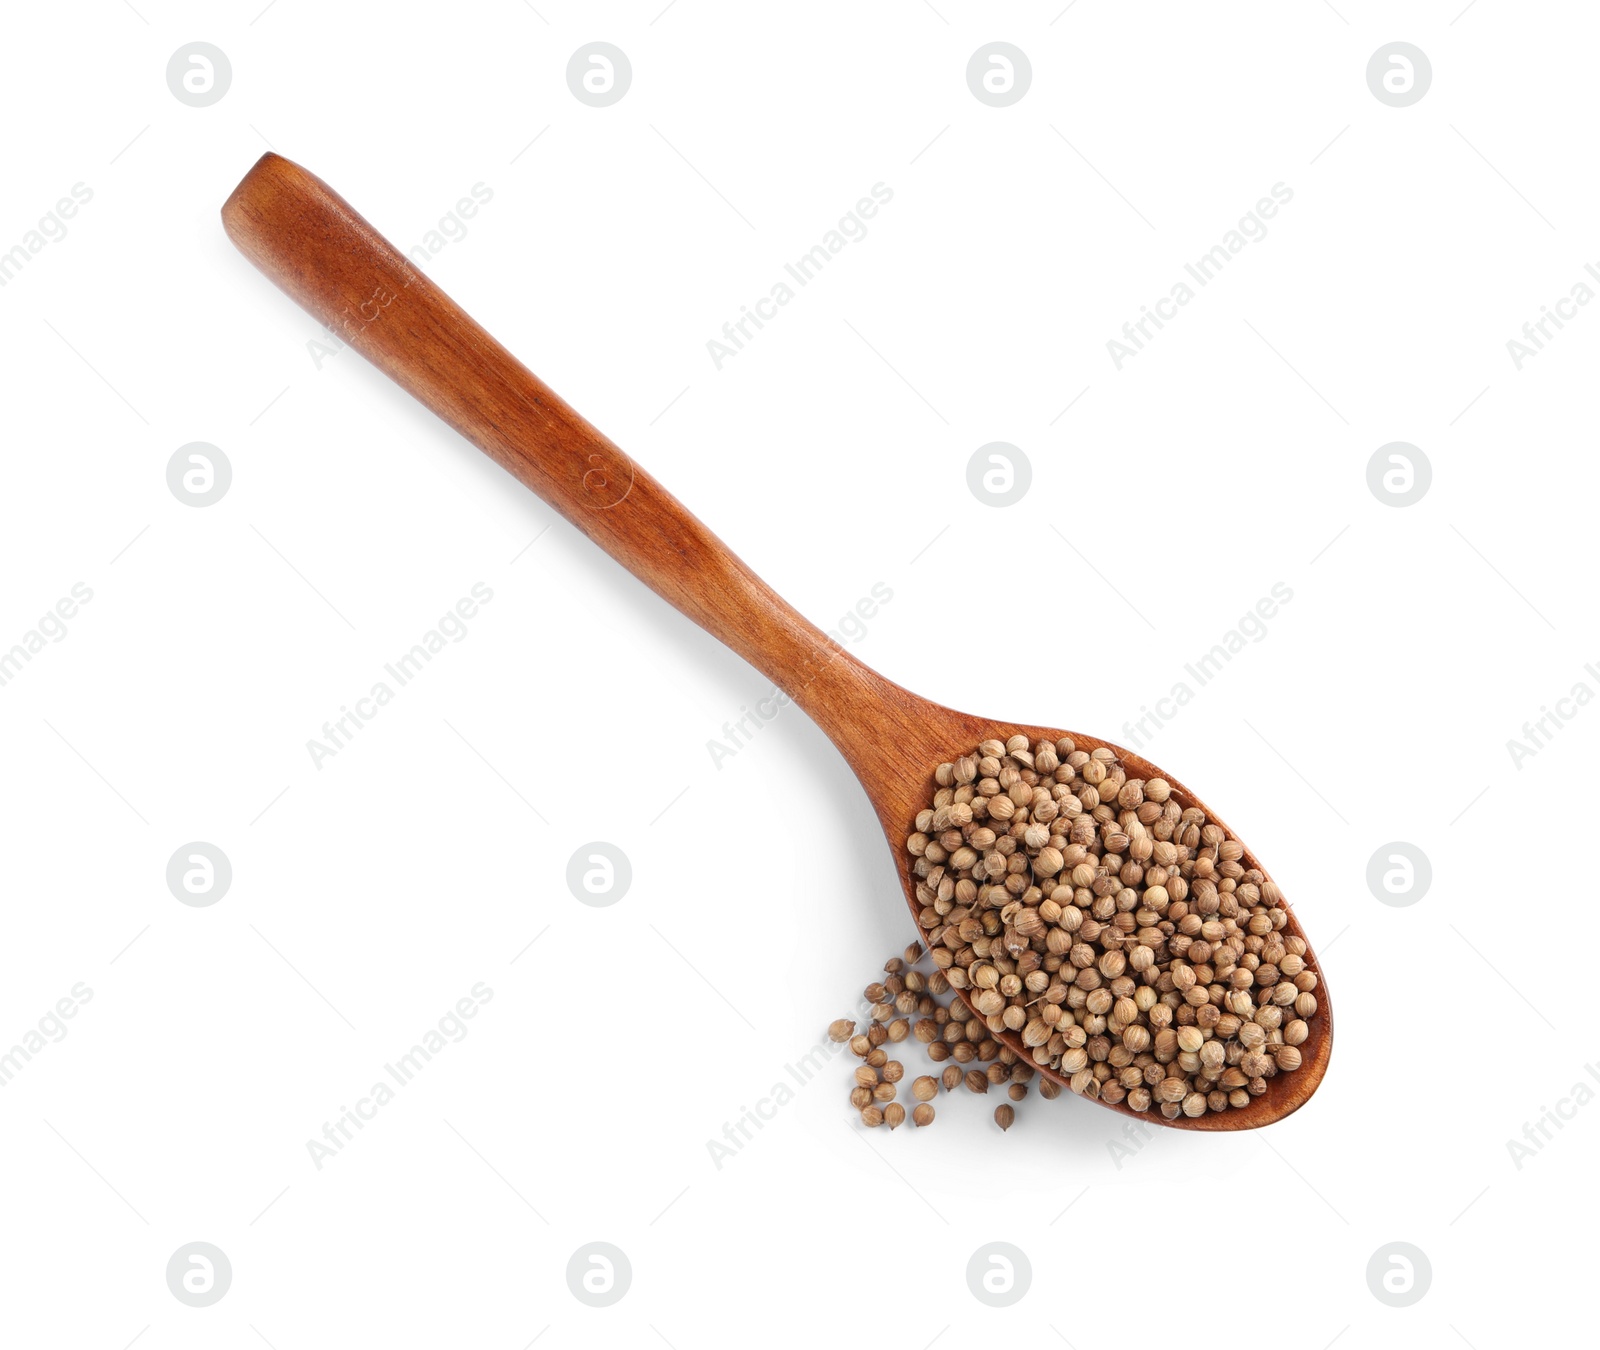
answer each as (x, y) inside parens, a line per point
(918, 1005)
(1118, 932)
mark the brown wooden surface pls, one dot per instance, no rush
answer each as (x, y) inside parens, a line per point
(309, 240)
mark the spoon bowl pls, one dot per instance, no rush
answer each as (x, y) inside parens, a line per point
(317, 248)
(898, 778)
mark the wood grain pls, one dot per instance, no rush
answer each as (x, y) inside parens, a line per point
(319, 250)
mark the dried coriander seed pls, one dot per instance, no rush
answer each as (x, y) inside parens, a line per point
(1108, 924)
(841, 1031)
(1004, 1115)
(922, 1115)
(1133, 969)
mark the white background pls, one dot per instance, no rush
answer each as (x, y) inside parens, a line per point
(372, 893)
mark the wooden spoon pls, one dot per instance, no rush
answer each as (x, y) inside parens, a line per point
(308, 239)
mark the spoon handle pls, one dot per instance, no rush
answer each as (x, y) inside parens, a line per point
(327, 257)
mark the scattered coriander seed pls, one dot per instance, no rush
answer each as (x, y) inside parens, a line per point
(977, 1081)
(924, 1089)
(871, 1117)
(1004, 1115)
(860, 1097)
(1017, 1091)
(841, 1031)
(894, 1115)
(922, 1115)
(884, 1092)
(951, 1078)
